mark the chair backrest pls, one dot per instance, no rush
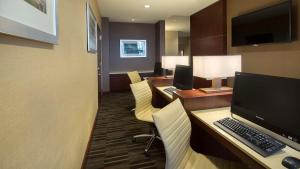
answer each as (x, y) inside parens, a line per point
(134, 76)
(174, 127)
(142, 95)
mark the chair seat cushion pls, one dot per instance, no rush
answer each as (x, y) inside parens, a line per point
(146, 114)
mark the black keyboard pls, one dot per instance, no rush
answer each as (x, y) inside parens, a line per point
(170, 90)
(256, 140)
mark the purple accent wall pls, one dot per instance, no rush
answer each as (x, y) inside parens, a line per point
(105, 55)
(138, 31)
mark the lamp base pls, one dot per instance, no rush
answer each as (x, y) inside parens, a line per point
(216, 83)
(216, 90)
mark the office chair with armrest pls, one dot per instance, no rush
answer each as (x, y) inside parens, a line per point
(144, 109)
(134, 76)
(174, 128)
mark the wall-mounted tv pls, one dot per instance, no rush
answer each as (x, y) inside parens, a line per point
(267, 25)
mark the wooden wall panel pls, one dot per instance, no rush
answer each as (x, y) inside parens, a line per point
(120, 82)
(208, 30)
(213, 45)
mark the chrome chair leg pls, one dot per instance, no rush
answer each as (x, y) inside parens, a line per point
(142, 135)
(154, 135)
(149, 144)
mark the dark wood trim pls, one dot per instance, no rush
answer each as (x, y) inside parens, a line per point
(209, 30)
(84, 162)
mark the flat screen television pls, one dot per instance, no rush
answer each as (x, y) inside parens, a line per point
(270, 102)
(267, 25)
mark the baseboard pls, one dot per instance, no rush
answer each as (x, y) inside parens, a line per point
(84, 162)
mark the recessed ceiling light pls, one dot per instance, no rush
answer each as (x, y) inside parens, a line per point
(147, 6)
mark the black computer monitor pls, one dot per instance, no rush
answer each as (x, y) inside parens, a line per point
(158, 71)
(270, 102)
(183, 77)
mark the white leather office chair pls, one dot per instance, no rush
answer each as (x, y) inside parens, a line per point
(174, 128)
(134, 76)
(144, 109)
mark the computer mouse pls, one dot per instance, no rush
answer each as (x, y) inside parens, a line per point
(291, 162)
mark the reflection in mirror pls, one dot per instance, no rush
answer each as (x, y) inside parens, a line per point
(177, 36)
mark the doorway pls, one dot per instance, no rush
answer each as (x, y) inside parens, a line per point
(99, 60)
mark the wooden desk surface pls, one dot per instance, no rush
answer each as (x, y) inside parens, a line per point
(209, 116)
(197, 100)
(188, 94)
(160, 81)
(159, 78)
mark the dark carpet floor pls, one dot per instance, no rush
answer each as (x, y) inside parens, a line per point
(112, 146)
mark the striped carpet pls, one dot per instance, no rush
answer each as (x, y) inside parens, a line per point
(112, 146)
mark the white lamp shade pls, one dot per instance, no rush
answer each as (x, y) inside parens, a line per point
(170, 62)
(210, 67)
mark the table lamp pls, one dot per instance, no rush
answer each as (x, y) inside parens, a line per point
(170, 62)
(216, 68)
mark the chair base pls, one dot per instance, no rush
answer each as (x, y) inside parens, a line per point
(152, 137)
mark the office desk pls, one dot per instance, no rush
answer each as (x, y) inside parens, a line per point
(158, 99)
(160, 81)
(205, 119)
(196, 99)
(201, 141)
(191, 99)
(164, 94)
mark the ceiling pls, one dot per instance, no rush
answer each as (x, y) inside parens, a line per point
(126, 10)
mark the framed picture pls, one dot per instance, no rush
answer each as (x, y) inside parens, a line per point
(133, 48)
(30, 19)
(91, 30)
